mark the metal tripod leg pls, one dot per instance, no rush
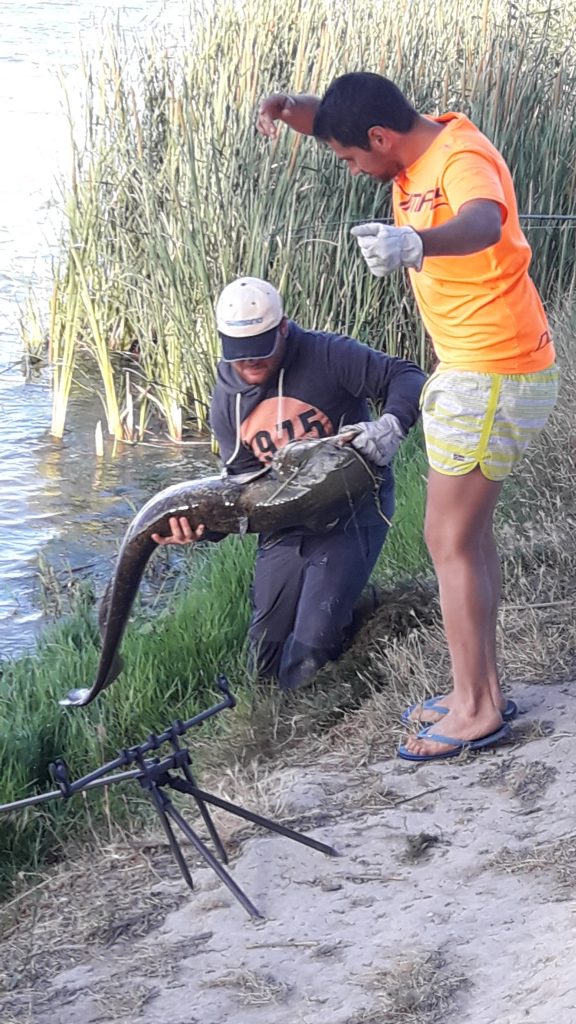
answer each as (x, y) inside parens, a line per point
(206, 817)
(159, 801)
(257, 819)
(169, 809)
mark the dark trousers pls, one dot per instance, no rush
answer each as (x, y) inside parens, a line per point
(304, 592)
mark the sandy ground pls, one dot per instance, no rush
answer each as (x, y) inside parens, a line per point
(453, 899)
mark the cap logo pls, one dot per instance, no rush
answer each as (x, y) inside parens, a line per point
(245, 323)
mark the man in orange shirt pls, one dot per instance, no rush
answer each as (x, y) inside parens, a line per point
(458, 234)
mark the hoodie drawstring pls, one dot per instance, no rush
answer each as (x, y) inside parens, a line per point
(279, 430)
(238, 426)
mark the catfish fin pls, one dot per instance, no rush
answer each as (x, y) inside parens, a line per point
(81, 696)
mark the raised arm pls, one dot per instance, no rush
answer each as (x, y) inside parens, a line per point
(295, 111)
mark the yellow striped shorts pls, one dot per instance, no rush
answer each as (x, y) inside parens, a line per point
(484, 419)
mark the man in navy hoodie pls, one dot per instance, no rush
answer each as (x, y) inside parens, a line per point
(278, 383)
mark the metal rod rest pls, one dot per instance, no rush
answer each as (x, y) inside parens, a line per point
(154, 775)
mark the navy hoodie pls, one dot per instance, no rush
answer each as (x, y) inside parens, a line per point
(322, 384)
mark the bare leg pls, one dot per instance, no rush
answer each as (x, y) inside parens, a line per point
(460, 540)
(492, 562)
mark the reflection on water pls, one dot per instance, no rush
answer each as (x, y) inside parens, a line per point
(39, 52)
(57, 501)
(61, 503)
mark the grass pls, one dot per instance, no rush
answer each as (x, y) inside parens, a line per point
(417, 989)
(32, 962)
(174, 656)
(526, 781)
(252, 988)
(172, 652)
(405, 555)
(172, 194)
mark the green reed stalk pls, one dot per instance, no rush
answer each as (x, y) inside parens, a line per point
(63, 344)
(97, 325)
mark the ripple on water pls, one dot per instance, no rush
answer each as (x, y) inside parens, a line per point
(56, 500)
(62, 503)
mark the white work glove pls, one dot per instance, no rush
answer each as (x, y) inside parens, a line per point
(378, 440)
(386, 248)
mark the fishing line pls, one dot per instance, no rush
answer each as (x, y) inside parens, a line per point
(533, 220)
(376, 481)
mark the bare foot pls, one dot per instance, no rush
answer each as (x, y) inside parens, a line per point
(460, 727)
(427, 716)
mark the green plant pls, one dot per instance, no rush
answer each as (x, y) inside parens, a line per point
(173, 193)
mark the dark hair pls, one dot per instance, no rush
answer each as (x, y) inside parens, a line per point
(356, 102)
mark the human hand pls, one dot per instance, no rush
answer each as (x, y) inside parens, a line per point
(386, 249)
(378, 440)
(182, 532)
(273, 108)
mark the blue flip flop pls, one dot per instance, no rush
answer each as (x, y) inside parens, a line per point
(457, 746)
(432, 704)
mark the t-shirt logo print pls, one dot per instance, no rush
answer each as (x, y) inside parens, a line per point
(262, 432)
(414, 202)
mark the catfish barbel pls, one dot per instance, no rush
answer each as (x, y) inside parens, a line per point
(309, 484)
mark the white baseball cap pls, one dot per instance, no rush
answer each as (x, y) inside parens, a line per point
(248, 314)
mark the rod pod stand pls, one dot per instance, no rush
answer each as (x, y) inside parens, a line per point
(174, 771)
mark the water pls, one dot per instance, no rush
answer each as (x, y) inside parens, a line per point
(59, 505)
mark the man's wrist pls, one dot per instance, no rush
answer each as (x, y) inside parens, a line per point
(391, 421)
(412, 249)
(299, 112)
(288, 102)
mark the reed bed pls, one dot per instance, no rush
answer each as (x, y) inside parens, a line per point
(173, 193)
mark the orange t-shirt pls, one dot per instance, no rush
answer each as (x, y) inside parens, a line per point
(482, 311)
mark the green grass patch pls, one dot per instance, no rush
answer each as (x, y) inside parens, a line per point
(405, 555)
(172, 656)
